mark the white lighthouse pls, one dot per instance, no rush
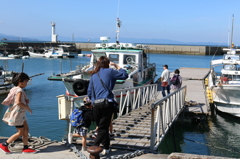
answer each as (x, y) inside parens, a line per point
(54, 36)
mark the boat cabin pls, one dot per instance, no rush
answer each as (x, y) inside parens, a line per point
(134, 61)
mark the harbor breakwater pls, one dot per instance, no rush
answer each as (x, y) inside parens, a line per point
(153, 48)
(169, 49)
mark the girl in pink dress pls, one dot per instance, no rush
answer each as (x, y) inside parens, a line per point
(15, 115)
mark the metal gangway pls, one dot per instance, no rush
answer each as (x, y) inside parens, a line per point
(144, 116)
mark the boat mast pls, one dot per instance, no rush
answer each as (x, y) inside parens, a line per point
(231, 38)
(118, 30)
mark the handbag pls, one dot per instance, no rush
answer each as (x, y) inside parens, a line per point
(164, 84)
(102, 102)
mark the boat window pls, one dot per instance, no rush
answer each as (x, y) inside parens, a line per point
(129, 59)
(96, 55)
(65, 49)
(236, 77)
(114, 58)
(229, 67)
(231, 57)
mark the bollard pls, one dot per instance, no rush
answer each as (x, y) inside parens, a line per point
(94, 152)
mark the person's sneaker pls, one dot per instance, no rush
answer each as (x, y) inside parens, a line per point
(93, 136)
(25, 151)
(4, 149)
(111, 135)
(104, 152)
(70, 136)
(84, 148)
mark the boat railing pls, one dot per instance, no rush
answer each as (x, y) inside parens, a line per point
(163, 113)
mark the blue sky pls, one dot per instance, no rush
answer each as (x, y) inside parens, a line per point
(180, 20)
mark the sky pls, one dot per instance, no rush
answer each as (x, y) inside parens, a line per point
(180, 20)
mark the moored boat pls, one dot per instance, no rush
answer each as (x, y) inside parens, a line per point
(131, 57)
(5, 79)
(60, 51)
(225, 86)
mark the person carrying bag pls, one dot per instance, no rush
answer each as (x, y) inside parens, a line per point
(100, 88)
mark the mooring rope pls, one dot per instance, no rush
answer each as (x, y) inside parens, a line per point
(32, 143)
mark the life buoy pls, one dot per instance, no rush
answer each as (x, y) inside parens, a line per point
(80, 87)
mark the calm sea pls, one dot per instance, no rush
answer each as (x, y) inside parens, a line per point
(219, 136)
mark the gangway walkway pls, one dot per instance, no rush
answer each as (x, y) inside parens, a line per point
(144, 117)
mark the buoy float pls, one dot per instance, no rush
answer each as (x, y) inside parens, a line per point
(209, 94)
(206, 81)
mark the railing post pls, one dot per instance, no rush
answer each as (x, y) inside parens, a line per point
(152, 141)
(70, 127)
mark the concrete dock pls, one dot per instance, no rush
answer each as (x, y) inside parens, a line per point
(193, 78)
(58, 150)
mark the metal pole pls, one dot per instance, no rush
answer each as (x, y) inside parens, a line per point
(152, 142)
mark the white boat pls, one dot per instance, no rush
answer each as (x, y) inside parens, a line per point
(5, 80)
(54, 52)
(15, 56)
(225, 86)
(129, 56)
(25, 57)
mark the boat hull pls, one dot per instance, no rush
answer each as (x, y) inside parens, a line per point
(228, 108)
(5, 89)
(32, 54)
(226, 99)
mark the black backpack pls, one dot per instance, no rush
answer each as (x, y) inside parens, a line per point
(175, 80)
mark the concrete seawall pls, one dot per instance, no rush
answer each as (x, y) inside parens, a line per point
(169, 49)
(160, 49)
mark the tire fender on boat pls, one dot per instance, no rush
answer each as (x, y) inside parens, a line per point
(80, 87)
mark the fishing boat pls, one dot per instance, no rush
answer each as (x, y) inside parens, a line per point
(5, 79)
(225, 86)
(60, 51)
(131, 57)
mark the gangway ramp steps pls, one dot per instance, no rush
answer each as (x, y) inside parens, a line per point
(132, 130)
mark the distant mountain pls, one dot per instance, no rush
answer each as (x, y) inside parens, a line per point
(3, 37)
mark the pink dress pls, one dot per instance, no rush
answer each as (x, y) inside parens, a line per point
(15, 115)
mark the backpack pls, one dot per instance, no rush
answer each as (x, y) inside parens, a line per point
(175, 80)
(76, 118)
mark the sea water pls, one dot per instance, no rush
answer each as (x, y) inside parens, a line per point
(219, 136)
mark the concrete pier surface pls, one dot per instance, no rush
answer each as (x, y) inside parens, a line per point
(59, 150)
(194, 78)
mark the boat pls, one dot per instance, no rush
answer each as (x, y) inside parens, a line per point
(5, 79)
(225, 86)
(129, 56)
(25, 57)
(60, 51)
(15, 56)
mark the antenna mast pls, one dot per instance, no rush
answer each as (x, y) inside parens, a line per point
(232, 33)
(118, 30)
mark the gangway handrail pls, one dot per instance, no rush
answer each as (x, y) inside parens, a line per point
(167, 111)
(133, 97)
(129, 99)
